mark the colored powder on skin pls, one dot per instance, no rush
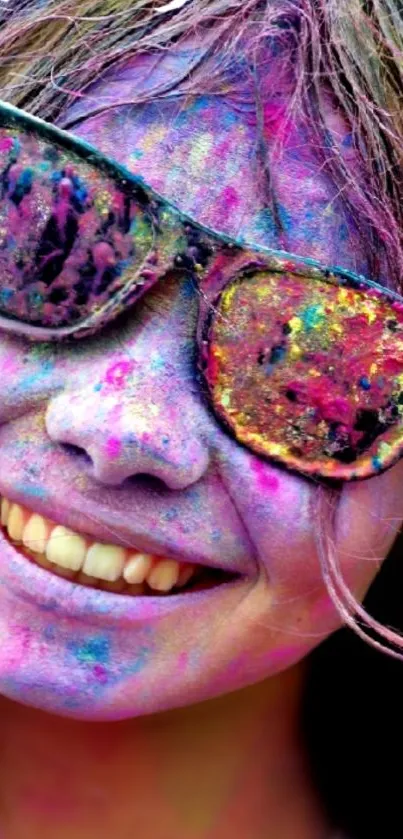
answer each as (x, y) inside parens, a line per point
(34, 491)
(32, 380)
(95, 653)
(182, 662)
(231, 199)
(100, 673)
(113, 447)
(266, 479)
(117, 374)
(93, 650)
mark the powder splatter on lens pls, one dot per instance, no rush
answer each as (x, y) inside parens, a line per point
(78, 243)
(308, 373)
(68, 233)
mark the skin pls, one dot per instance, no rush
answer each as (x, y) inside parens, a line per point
(244, 645)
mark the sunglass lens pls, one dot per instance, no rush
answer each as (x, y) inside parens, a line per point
(308, 372)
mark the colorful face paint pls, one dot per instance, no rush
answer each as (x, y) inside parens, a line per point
(111, 436)
(96, 238)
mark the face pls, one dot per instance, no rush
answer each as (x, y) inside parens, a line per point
(112, 439)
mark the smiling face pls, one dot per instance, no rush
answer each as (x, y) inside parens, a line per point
(112, 438)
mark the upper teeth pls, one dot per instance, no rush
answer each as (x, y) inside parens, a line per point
(70, 550)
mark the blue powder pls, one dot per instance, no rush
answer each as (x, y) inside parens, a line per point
(32, 490)
(170, 515)
(343, 232)
(95, 650)
(312, 316)
(24, 181)
(5, 295)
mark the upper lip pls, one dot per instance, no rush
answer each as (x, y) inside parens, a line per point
(124, 536)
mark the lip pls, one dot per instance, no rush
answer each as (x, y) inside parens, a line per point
(113, 533)
(53, 594)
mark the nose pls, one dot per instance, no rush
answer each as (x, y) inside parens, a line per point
(142, 440)
(140, 416)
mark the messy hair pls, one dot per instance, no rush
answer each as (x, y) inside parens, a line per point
(52, 51)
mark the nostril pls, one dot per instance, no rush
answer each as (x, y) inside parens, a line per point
(76, 451)
(147, 482)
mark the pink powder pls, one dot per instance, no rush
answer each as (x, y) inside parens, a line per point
(267, 480)
(231, 198)
(113, 447)
(118, 372)
(182, 662)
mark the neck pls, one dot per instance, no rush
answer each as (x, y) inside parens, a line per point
(225, 769)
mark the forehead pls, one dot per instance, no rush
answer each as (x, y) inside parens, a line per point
(208, 154)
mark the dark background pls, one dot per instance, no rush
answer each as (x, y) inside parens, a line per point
(353, 719)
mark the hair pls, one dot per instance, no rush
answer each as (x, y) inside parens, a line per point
(52, 51)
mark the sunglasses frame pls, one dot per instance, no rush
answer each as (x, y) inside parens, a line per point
(253, 255)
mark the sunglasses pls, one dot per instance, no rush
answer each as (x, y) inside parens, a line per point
(301, 363)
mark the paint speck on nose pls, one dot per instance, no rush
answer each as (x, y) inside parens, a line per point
(113, 447)
(118, 373)
(157, 364)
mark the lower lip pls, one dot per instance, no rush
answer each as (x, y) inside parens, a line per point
(51, 593)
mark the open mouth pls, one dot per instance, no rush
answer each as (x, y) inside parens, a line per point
(79, 558)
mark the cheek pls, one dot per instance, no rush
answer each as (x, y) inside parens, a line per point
(29, 375)
(157, 354)
(283, 520)
(276, 509)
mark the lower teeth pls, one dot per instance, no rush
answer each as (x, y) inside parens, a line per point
(202, 579)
